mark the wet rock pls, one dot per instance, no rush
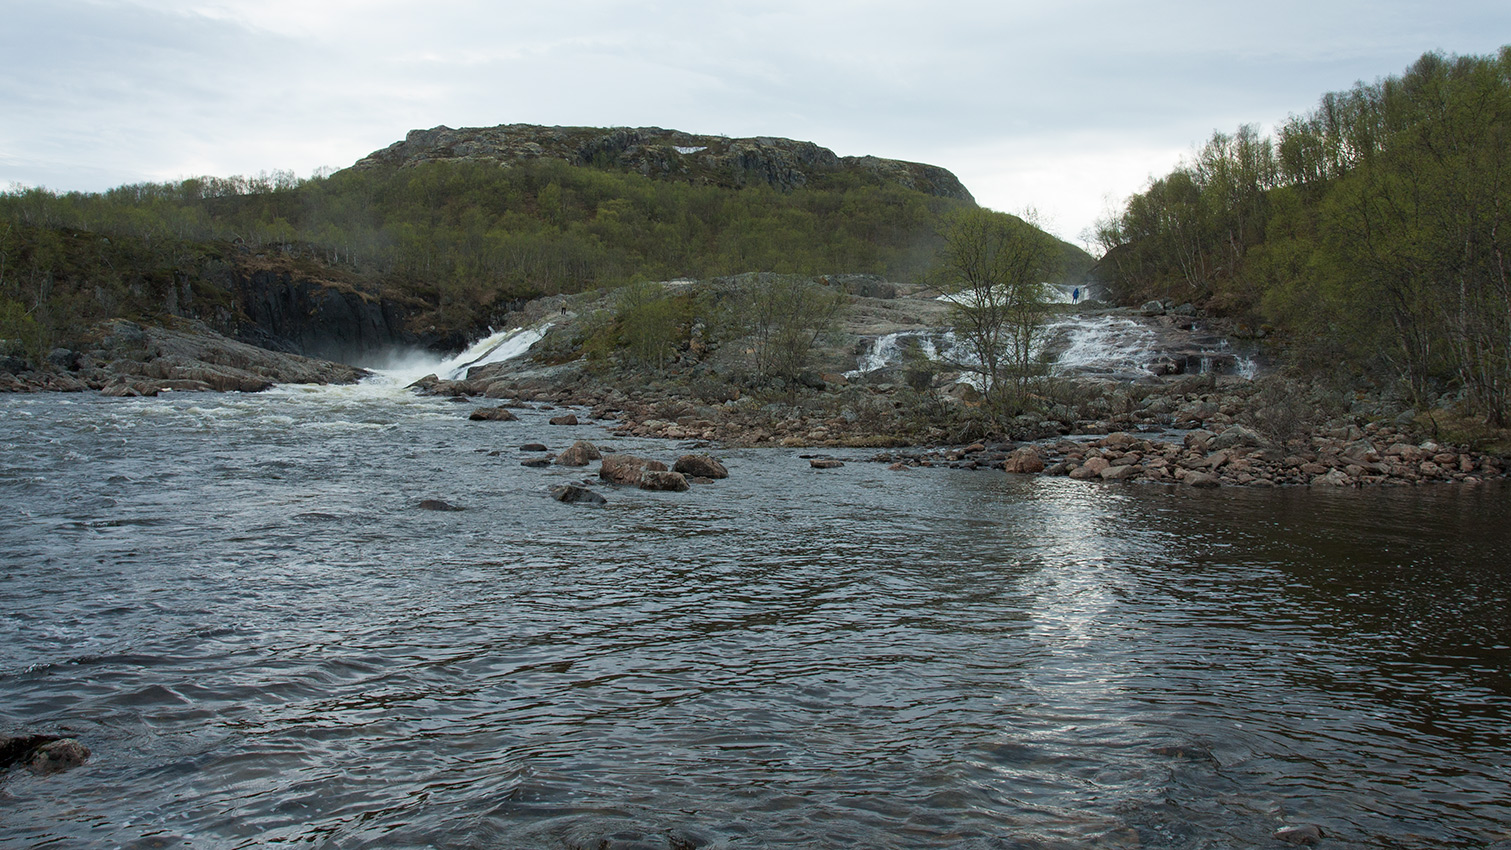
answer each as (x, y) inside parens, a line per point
(700, 466)
(1121, 473)
(568, 419)
(1306, 833)
(439, 505)
(1024, 461)
(537, 462)
(573, 494)
(899, 466)
(1152, 308)
(825, 463)
(57, 756)
(662, 479)
(42, 754)
(627, 469)
(533, 447)
(493, 414)
(1333, 478)
(581, 453)
(1205, 480)
(1084, 473)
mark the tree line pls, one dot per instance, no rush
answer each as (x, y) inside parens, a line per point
(464, 236)
(1374, 229)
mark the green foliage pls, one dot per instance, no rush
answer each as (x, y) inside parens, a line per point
(785, 315)
(1377, 228)
(650, 324)
(995, 266)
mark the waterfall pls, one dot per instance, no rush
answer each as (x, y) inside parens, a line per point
(404, 369)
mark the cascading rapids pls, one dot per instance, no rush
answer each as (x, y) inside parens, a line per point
(495, 348)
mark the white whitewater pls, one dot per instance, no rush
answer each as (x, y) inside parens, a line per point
(1103, 345)
(494, 348)
(392, 376)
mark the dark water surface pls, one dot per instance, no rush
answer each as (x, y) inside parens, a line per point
(234, 602)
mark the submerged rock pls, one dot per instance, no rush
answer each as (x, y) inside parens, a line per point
(42, 754)
(661, 479)
(493, 414)
(823, 463)
(573, 494)
(1306, 833)
(439, 505)
(57, 756)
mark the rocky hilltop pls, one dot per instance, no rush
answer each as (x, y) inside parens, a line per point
(783, 164)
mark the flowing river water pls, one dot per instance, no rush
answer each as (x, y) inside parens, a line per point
(235, 602)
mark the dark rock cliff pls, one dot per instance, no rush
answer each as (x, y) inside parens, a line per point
(783, 164)
(286, 313)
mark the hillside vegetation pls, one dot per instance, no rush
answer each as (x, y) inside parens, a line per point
(1374, 232)
(463, 231)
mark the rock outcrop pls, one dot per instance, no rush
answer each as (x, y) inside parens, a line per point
(783, 164)
(123, 358)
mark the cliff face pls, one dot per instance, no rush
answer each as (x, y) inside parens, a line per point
(783, 164)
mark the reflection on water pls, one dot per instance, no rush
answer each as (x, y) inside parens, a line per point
(234, 602)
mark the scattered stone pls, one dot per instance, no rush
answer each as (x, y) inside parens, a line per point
(581, 453)
(700, 466)
(627, 469)
(662, 479)
(537, 462)
(439, 505)
(533, 447)
(493, 414)
(822, 463)
(1204, 480)
(899, 466)
(568, 419)
(573, 494)
(1024, 461)
(1307, 833)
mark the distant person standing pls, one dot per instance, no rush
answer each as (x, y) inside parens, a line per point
(1075, 295)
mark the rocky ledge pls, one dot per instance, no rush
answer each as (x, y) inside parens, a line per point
(123, 358)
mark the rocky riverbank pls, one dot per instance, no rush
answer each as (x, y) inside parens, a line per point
(124, 358)
(1198, 432)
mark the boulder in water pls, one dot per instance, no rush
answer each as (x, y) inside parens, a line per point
(626, 469)
(568, 419)
(57, 756)
(1306, 833)
(439, 505)
(581, 453)
(42, 754)
(700, 466)
(493, 414)
(1024, 461)
(662, 479)
(825, 463)
(574, 494)
(1205, 480)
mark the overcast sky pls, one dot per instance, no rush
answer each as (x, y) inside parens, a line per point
(1066, 107)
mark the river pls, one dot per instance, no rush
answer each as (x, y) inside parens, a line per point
(235, 602)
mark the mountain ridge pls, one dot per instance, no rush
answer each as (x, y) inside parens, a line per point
(783, 164)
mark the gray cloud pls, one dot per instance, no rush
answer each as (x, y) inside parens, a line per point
(1018, 98)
